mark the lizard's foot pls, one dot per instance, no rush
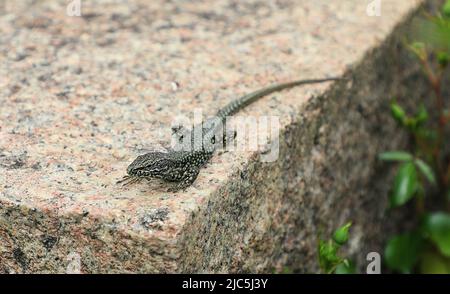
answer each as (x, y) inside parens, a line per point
(228, 137)
(172, 190)
(187, 180)
(177, 129)
(179, 132)
(177, 188)
(128, 180)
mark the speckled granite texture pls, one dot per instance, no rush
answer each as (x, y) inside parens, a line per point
(82, 96)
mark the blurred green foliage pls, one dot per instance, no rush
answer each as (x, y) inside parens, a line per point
(424, 172)
(329, 260)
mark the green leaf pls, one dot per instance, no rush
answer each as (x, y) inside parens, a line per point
(340, 236)
(443, 59)
(437, 225)
(328, 258)
(432, 263)
(345, 267)
(446, 9)
(426, 170)
(405, 184)
(435, 32)
(422, 116)
(398, 113)
(402, 252)
(395, 156)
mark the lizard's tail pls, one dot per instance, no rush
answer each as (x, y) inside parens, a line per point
(240, 103)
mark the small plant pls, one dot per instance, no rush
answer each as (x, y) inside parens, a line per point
(424, 173)
(329, 260)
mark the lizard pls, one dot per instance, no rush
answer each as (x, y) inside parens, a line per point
(196, 147)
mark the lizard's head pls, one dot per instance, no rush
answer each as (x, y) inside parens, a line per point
(152, 164)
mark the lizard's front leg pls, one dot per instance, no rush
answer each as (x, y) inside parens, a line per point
(187, 180)
(228, 137)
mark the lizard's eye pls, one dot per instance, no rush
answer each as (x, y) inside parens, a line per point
(181, 138)
(213, 140)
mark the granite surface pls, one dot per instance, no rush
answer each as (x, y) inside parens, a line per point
(81, 97)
